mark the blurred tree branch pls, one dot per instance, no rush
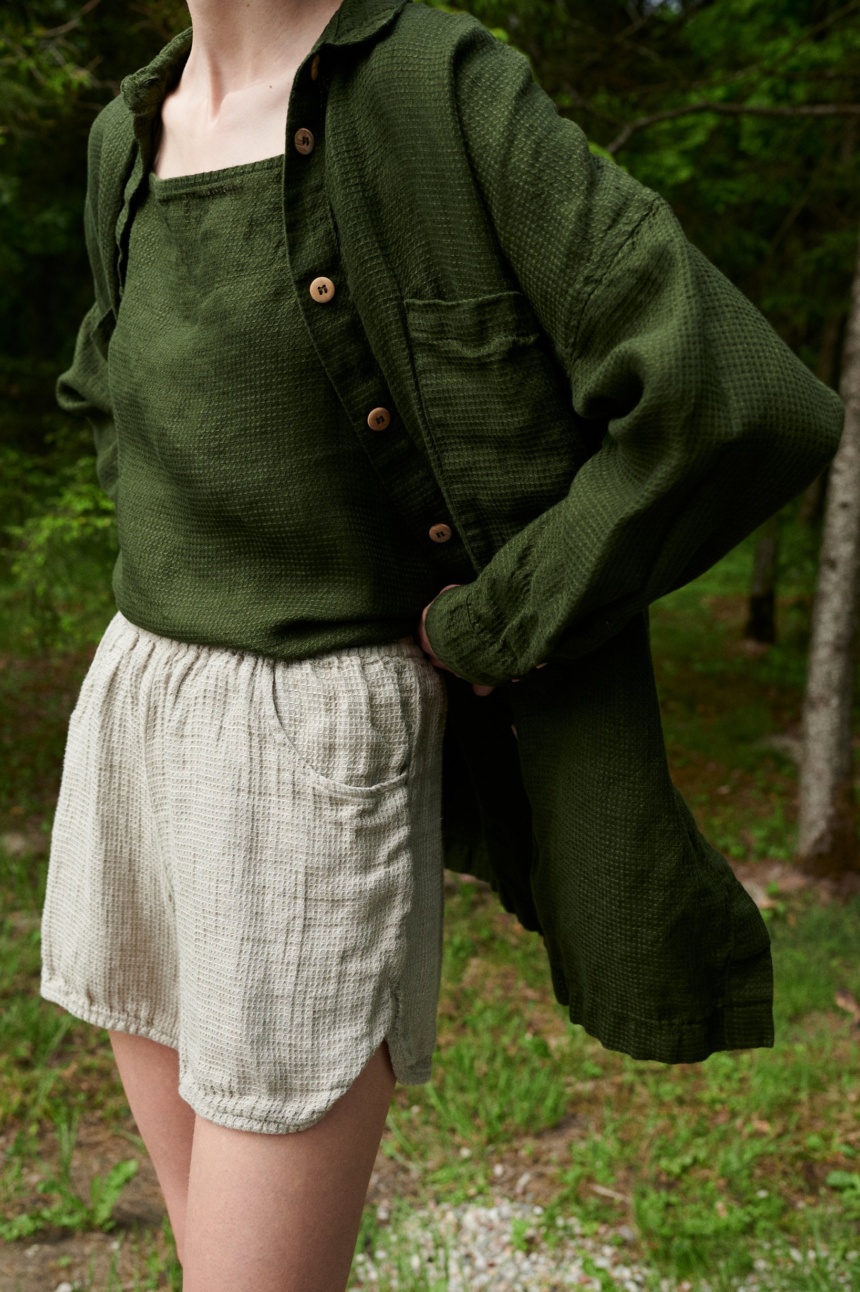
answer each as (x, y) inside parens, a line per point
(72, 23)
(733, 109)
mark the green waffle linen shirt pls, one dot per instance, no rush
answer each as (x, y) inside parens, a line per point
(248, 513)
(590, 415)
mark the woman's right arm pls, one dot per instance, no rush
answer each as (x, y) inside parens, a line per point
(83, 389)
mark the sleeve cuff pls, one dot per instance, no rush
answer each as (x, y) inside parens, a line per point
(456, 641)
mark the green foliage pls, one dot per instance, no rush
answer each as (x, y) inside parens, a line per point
(848, 1183)
(63, 543)
(497, 1082)
(68, 1209)
(39, 68)
(61, 61)
(78, 516)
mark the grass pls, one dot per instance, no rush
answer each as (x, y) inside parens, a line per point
(751, 1156)
(706, 1162)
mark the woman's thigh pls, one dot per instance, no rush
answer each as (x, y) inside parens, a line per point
(150, 1078)
(281, 1212)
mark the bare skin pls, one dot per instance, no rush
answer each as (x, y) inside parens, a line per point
(260, 1212)
(424, 643)
(230, 104)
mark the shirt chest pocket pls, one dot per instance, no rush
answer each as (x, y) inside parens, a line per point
(497, 405)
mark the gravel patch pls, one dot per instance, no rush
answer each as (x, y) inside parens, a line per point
(498, 1247)
(501, 1247)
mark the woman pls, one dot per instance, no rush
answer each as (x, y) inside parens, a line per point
(245, 883)
(266, 1190)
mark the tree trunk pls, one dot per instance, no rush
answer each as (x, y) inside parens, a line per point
(812, 502)
(761, 614)
(827, 832)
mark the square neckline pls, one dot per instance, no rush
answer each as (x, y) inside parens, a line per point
(177, 185)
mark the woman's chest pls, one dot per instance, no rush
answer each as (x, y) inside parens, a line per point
(208, 295)
(250, 130)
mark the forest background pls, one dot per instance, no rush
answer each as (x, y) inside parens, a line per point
(745, 115)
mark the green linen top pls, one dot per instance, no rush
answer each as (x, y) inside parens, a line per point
(596, 413)
(248, 514)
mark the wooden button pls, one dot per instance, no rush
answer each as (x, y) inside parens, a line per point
(440, 533)
(322, 290)
(378, 419)
(315, 67)
(304, 140)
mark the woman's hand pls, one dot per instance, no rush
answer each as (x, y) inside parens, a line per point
(424, 643)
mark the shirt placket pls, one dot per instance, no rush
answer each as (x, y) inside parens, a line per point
(339, 339)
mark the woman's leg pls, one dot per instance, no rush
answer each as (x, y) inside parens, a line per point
(281, 1212)
(150, 1077)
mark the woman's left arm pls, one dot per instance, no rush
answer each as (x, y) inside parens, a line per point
(709, 422)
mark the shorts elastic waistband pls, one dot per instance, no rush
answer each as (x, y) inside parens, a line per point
(405, 647)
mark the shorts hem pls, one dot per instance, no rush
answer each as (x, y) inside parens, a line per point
(212, 1109)
(416, 1076)
(217, 1108)
(56, 991)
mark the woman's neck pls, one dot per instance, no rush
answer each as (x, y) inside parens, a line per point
(240, 44)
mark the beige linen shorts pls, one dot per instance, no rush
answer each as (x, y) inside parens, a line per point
(246, 864)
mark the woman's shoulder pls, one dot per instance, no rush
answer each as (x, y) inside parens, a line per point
(436, 33)
(110, 154)
(112, 130)
(111, 136)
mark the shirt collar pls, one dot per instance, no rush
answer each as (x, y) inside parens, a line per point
(354, 20)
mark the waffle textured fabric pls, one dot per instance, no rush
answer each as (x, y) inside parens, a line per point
(231, 434)
(246, 865)
(594, 413)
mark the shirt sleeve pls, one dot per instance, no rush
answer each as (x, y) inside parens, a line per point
(707, 422)
(83, 390)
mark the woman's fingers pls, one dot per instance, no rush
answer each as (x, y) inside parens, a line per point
(426, 646)
(424, 641)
